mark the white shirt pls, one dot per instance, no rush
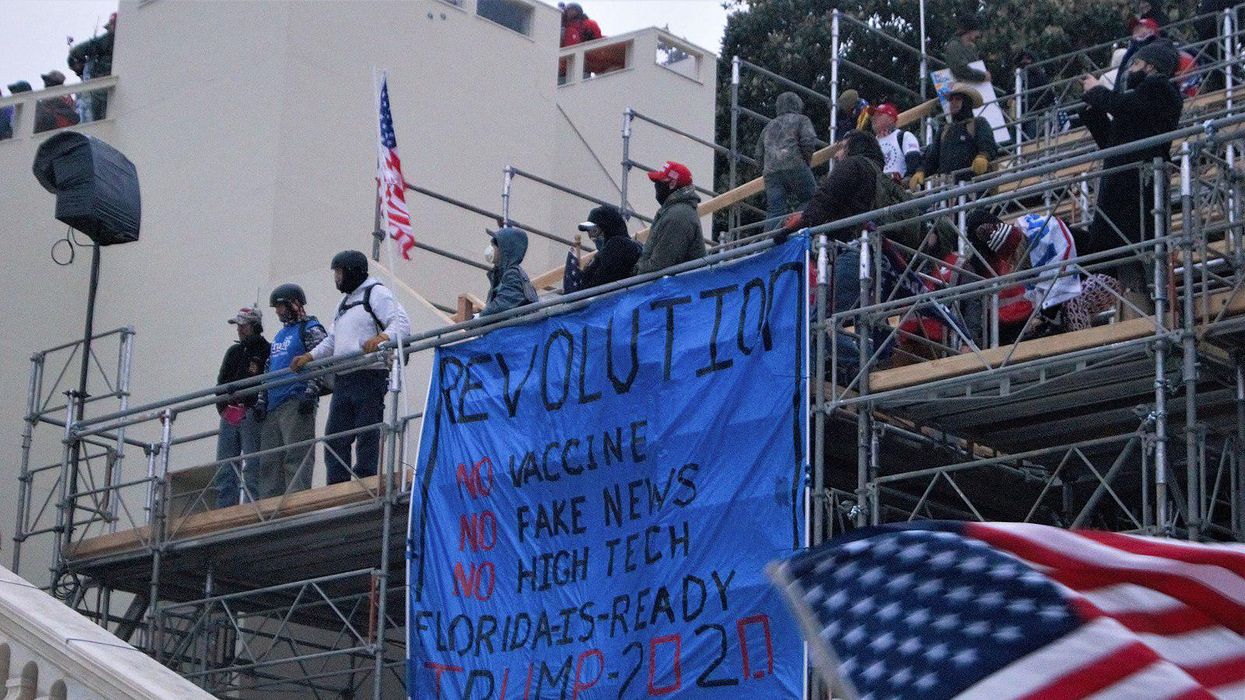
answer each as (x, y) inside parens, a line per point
(894, 152)
(349, 330)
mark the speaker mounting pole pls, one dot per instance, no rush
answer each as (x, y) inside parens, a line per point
(81, 398)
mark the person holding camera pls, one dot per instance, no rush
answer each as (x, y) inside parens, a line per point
(616, 252)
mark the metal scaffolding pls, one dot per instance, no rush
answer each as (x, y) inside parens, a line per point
(305, 591)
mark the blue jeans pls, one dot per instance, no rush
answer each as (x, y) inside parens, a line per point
(231, 443)
(787, 191)
(358, 401)
(844, 295)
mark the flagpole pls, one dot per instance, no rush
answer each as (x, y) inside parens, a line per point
(393, 275)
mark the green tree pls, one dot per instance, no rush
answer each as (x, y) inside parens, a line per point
(792, 38)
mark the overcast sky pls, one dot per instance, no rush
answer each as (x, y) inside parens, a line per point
(33, 32)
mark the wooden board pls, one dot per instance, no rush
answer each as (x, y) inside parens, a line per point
(959, 365)
(222, 519)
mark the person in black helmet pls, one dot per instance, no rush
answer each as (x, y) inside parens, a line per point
(367, 317)
(288, 411)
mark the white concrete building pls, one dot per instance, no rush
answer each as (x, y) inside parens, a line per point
(253, 129)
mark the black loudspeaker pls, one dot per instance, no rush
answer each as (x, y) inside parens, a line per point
(96, 187)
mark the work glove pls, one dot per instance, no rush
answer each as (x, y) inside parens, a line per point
(917, 181)
(980, 165)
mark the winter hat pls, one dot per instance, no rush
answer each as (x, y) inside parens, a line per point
(674, 174)
(53, 78)
(847, 101)
(1159, 55)
(609, 219)
(19, 86)
(977, 217)
(998, 237)
(968, 23)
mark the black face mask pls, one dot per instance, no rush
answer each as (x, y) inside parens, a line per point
(1134, 79)
(351, 279)
(663, 191)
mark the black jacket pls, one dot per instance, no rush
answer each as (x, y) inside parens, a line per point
(1113, 119)
(614, 261)
(243, 359)
(847, 190)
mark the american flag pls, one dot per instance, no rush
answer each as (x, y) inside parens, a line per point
(572, 276)
(1004, 610)
(392, 188)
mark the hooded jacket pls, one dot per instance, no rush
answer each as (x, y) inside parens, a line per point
(958, 55)
(789, 140)
(509, 285)
(958, 143)
(675, 236)
(1121, 73)
(617, 254)
(244, 359)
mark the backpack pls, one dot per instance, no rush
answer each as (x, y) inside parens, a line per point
(889, 192)
(366, 303)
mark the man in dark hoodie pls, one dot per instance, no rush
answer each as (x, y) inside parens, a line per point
(1144, 33)
(786, 147)
(509, 285)
(239, 428)
(675, 236)
(963, 146)
(616, 253)
(1150, 106)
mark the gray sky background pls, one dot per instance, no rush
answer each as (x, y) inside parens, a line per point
(33, 32)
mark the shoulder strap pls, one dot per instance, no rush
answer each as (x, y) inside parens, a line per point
(366, 303)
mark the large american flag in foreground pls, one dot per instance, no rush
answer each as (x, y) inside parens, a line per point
(392, 190)
(997, 610)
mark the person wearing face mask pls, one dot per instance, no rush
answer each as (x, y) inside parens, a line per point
(616, 252)
(367, 317)
(287, 411)
(509, 285)
(675, 236)
(1150, 106)
(1144, 33)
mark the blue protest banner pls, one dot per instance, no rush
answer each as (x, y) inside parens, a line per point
(597, 494)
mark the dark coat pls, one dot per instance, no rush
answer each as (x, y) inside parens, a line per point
(509, 285)
(675, 236)
(96, 51)
(1152, 108)
(243, 360)
(614, 261)
(847, 190)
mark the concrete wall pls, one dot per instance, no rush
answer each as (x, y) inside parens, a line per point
(253, 128)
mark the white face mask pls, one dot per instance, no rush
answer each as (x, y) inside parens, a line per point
(489, 253)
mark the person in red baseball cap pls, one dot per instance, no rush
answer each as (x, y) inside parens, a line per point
(1145, 33)
(675, 236)
(900, 148)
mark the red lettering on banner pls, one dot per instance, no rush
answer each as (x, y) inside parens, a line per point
(479, 530)
(479, 483)
(438, 669)
(742, 628)
(655, 642)
(470, 583)
(580, 684)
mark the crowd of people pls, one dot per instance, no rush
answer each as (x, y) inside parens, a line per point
(267, 439)
(89, 59)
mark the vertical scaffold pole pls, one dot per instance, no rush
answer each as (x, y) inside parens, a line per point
(628, 116)
(155, 619)
(507, 181)
(820, 497)
(864, 412)
(64, 532)
(1238, 450)
(834, 75)
(1160, 350)
(392, 466)
(1019, 110)
(111, 497)
(1188, 342)
(924, 56)
(1229, 59)
(28, 435)
(733, 215)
